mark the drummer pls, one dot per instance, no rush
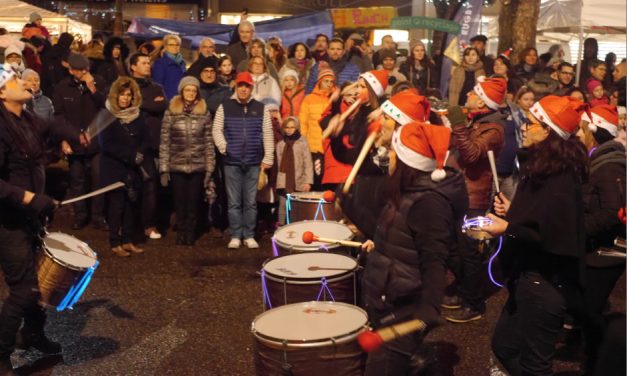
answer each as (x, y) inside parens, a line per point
(405, 274)
(23, 139)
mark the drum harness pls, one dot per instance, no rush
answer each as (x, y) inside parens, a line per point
(319, 209)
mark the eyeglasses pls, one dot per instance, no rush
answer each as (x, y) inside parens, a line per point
(173, 44)
(568, 73)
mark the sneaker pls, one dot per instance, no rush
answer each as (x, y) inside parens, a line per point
(251, 243)
(234, 243)
(451, 302)
(152, 233)
(464, 315)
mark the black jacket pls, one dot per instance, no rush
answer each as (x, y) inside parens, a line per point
(214, 95)
(76, 106)
(152, 110)
(119, 145)
(604, 195)
(200, 64)
(546, 232)
(412, 244)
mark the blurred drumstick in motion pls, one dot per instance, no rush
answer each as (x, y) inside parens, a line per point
(314, 268)
(373, 130)
(371, 340)
(101, 121)
(309, 237)
(495, 176)
(343, 116)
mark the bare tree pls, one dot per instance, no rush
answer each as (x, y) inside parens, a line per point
(517, 25)
(118, 23)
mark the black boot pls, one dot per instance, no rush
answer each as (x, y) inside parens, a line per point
(6, 368)
(38, 340)
(190, 237)
(180, 236)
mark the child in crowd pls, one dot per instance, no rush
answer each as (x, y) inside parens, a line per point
(294, 162)
(293, 93)
(226, 73)
(40, 104)
(597, 94)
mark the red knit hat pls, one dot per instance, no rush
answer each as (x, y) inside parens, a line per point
(491, 90)
(423, 146)
(324, 70)
(407, 106)
(378, 81)
(562, 114)
(604, 116)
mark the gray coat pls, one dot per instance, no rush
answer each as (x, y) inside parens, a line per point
(41, 106)
(186, 139)
(302, 164)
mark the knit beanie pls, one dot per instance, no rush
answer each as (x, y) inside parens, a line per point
(29, 72)
(12, 49)
(187, 81)
(593, 84)
(324, 70)
(287, 72)
(34, 17)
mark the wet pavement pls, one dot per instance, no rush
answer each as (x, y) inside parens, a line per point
(178, 310)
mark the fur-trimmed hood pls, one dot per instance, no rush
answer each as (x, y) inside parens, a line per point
(94, 50)
(176, 106)
(116, 87)
(111, 43)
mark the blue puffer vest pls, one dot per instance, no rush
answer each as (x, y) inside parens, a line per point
(243, 132)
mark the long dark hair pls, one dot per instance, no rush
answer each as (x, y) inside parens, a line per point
(555, 155)
(425, 62)
(29, 143)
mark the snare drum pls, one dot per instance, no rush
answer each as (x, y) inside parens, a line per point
(64, 269)
(304, 277)
(308, 206)
(289, 238)
(310, 339)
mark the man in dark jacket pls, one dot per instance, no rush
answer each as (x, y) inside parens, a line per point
(242, 132)
(565, 78)
(620, 82)
(77, 100)
(238, 51)
(152, 107)
(206, 54)
(473, 136)
(480, 42)
(344, 70)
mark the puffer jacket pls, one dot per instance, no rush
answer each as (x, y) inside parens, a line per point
(311, 111)
(186, 139)
(303, 166)
(41, 106)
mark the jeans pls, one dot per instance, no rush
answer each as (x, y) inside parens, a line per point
(187, 190)
(85, 177)
(525, 335)
(241, 193)
(17, 259)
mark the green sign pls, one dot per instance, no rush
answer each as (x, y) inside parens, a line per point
(429, 23)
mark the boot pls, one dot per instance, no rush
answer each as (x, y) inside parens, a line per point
(132, 248)
(119, 251)
(26, 338)
(190, 238)
(6, 368)
(180, 237)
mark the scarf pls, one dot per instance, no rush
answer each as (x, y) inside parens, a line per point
(126, 115)
(301, 63)
(472, 67)
(178, 58)
(288, 163)
(189, 107)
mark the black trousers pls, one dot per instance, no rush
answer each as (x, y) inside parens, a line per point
(85, 177)
(525, 335)
(17, 259)
(149, 200)
(219, 210)
(121, 214)
(466, 263)
(187, 190)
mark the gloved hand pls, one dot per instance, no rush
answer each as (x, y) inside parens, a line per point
(165, 179)
(43, 205)
(456, 115)
(139, 158)
(207, 180)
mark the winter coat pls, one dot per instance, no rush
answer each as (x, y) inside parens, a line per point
(361, 60)
(41, 106)
(270, 68)
(152, 111)
(196, 68)
(95, 53)
(311, 111)
(76, 107)
(186, 139)
(167, 73)
(243, 133)
(303, 165)
(526, 72)
(604, 195)
(408, 265)
(344, 72)
(266, 89)
(214, 95)
(421, 79)
(291, 101)
(108, 69)
(463, 79)
(238, 53)
(303, 73)
(54, 72)
(472, 143)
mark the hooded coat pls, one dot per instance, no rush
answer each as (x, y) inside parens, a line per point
(311, 110)
(109, 69)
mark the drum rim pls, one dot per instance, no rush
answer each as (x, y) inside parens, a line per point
(294, 197)
(309, 248)
(310, 280)
(279, 342)
(64, 263)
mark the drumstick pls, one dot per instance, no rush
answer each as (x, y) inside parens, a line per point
(314, 268)
(94, 193)
(360, 160)
(343, 116)
(309, 237)
(370, 341)
(495, 176)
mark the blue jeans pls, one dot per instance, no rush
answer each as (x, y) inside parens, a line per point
(241, 193)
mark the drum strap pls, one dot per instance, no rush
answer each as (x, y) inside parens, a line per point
(275, 249)
(320, 210)
(325, 287)
(492, 258)
(288, 208)
(77, 290)
(264, 288)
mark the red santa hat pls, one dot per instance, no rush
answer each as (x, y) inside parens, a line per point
(423, 146)
(407, 106)
(562, 114)
(378, 81)
(491, 90)
(604, 116)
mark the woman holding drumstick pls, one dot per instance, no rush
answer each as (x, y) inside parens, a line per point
(545, 238)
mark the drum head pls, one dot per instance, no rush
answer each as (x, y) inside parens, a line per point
(311, 322)
(298, 265)
(291, 236)
(69, 251)
(307, 196)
